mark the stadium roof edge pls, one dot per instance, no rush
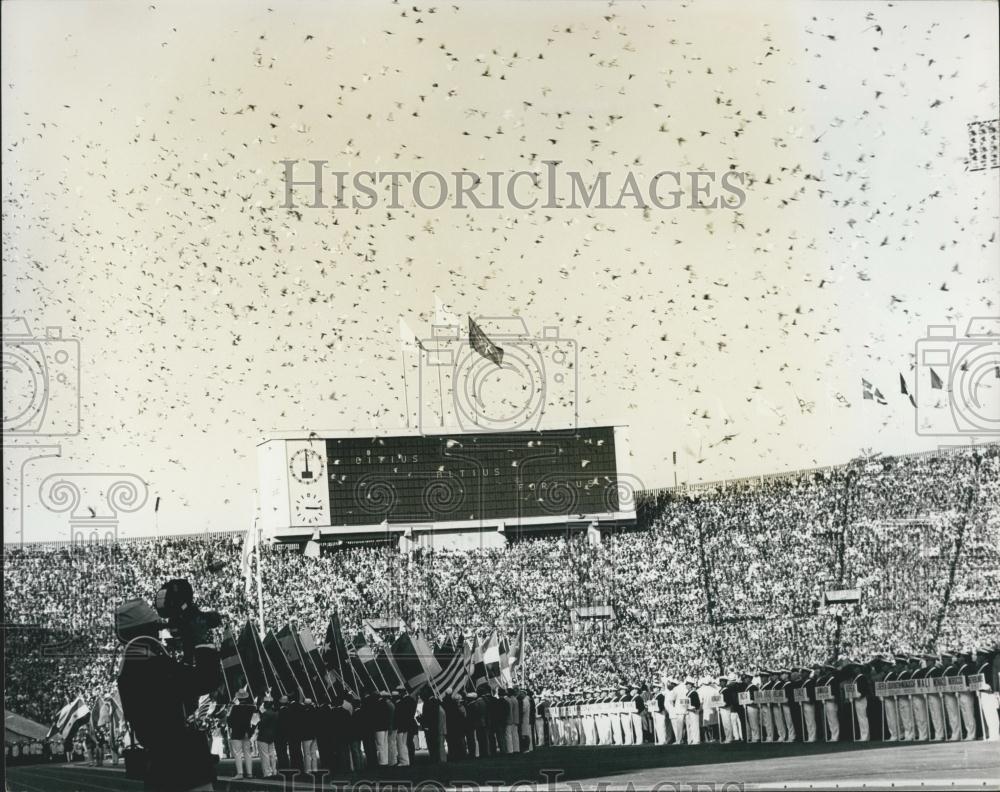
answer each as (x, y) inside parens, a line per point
(443, 431)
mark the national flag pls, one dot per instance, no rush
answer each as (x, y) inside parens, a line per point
(444, 317)
(110, 712)
(414, 660)
(453, 660)
(250, 549)
(491, 657)
(283, 671)
(388, 670)
(208, 706)
(870, 392)
(905, 391)
(290, 649)
(70, 718)
(480, 342)
(323, 681)
(425, 653)
(936, 381)
(253, 663)
(407, 338)
(505, 678)
(369, 670)
(233, 672)
(335, 655)
(270, 675)
(479, 675)
(517, 649)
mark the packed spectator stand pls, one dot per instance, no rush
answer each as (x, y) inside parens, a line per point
(729, 576)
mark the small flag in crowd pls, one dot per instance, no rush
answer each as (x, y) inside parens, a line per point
(70, 718)
(480, 342)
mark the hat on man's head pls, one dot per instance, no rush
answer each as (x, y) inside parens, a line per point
(136, 617)
(242, 694)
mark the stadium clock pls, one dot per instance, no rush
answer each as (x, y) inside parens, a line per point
(308, 509)
(307, 466)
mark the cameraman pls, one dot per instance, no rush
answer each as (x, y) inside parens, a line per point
(159, 694)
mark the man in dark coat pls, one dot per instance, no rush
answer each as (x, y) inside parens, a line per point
(267, 731)
(158, 693)
(405, 724)
(281, 734)
(430, 720)
(454, 715)
(497, 712)
(290, 726)
(478, 721)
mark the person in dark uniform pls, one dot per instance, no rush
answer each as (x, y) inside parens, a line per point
(356, 732)
(325, 743)
(497, 712)
(875, 670)
(476, 737)
(430, 720)
(290, 726)
(364, 719)
(455, 726)
(405, 725)
(280, 738)
(240, 731)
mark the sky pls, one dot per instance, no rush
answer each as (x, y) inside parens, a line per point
(142, 214)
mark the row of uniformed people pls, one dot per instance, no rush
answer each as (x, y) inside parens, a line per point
(666, 714)
(823, 702)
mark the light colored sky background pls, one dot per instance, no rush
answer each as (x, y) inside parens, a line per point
(141, 192)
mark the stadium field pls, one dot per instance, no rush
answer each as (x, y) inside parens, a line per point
(974, 765)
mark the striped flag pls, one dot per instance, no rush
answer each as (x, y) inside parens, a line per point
(232, 666)
(69, 718)
(454, 666)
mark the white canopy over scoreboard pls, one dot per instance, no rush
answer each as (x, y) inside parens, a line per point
(362, 485)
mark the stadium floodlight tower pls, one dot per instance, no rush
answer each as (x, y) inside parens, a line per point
(449, 490)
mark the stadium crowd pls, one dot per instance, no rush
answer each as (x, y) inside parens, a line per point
(713, 578)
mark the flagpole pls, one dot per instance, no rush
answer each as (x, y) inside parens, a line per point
(406, 397)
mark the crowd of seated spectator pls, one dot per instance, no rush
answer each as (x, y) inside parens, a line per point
(711, 578)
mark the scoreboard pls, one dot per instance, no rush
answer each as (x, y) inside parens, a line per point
(358, 483)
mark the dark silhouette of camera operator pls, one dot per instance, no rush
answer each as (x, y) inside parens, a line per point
(160, 693)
